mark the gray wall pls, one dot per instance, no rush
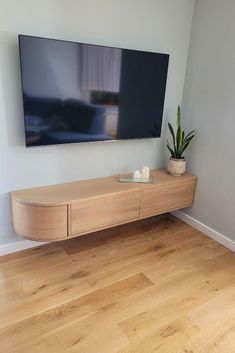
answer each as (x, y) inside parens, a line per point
(209, 107)
(154, 25)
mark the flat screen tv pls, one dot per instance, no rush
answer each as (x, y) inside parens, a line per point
(77, 92)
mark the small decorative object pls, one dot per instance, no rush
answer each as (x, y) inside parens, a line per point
(137, 175)
(145, 173)
(180, 141)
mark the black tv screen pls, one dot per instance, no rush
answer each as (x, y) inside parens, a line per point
(77, 92)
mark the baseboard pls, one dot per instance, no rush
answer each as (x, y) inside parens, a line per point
(220, 238)
(10, 242)
(6, 249)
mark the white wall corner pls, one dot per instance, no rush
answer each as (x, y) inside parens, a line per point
(213, 234)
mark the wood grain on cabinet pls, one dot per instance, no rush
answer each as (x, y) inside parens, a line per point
(167, 197)
(104, 211)
(46, 223)
(57, 211)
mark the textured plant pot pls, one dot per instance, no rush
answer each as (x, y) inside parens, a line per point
(176, 167)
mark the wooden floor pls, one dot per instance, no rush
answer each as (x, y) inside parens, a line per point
(157, 285)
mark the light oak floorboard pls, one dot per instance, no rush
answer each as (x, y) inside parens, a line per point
(156, 285)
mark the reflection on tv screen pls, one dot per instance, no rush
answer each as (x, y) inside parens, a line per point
(75, 92)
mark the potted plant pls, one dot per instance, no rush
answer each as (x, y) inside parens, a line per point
(180, 141)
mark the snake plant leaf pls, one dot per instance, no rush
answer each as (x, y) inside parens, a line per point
(190, 138)
(181, 140)
(172, 132)
(182, 148)
(173, 136)
(178, 116)
(181, 136)
(171, 151)
(190, 133)
(178, 139)
(185, 146)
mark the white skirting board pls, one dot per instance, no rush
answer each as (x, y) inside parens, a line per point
(220, 238)
(18, 246)
(10, 242)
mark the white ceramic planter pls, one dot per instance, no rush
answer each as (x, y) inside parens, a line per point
(176, 167)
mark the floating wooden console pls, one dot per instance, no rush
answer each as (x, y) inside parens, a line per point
(62, 211)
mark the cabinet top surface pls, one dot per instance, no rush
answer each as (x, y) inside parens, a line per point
(61, 194)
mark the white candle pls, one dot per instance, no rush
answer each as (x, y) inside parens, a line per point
(145, 173)
(137, 174)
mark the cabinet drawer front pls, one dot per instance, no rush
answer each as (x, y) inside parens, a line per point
(102, 212)
(167, 198)
(44, 223)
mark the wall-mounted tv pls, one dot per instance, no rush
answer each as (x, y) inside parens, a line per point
(77, 92)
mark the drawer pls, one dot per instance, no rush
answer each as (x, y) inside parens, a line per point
(166, 198)
(104, 211)
(44, 223)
